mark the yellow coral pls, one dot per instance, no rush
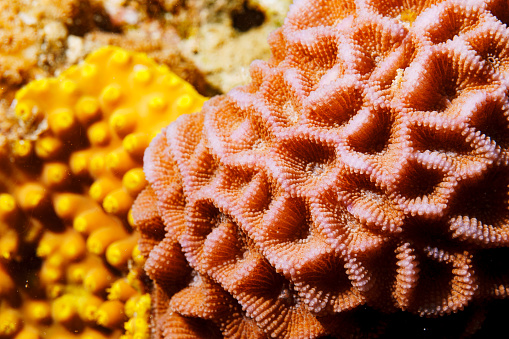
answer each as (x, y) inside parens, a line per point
(66, 189)
(119, 99)
(138, 309)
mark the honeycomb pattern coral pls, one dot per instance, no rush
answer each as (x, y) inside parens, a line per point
(70, 265)
(365, 167)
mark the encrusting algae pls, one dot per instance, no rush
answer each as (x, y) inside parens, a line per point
(71, 166)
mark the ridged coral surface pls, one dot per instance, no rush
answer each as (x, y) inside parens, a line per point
(365, 167)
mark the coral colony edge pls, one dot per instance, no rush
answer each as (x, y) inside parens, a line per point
(358, 187)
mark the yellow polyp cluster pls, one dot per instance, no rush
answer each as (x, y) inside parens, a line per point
(67, 184)
(10, 322)
(118, 100)
(22, 149)
(138, 311)
(137, 303)
(100, 239)
(138, 257)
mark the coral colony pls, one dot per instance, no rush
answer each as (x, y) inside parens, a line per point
(365, 166)
(66, 192)
(358, 187)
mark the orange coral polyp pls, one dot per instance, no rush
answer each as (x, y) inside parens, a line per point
(365, 165)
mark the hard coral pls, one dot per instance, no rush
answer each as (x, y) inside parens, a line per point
(365, 165)
(66, 188)
(196, 39)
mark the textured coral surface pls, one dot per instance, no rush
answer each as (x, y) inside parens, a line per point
(69, 265)
(364, 170)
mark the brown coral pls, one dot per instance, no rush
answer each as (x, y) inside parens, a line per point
(366, 164)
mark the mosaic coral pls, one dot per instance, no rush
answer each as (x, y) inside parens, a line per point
(364, 168)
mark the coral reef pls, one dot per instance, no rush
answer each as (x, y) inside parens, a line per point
(363, 171)
(70, 168)
(43, 38)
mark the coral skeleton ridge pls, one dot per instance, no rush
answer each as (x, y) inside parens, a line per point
(364, 169)
(71, 167)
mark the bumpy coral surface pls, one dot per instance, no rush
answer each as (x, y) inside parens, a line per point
(66, 189)
(365, 168)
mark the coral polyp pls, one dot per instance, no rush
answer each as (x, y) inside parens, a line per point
(71, 167)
